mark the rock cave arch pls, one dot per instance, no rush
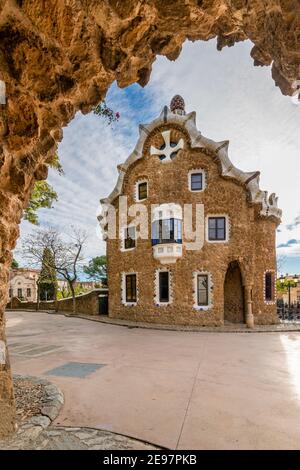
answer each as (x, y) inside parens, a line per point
(61, 58)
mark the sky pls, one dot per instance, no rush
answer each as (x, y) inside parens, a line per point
(233, 100)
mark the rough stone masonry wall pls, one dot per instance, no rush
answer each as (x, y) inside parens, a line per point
(251, 243)
(85, 303)
(58, 57)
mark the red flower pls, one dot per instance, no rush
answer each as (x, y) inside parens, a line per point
(117, 115)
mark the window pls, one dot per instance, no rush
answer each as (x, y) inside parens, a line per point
(20, 293)
(164, 286)
(142, 190)
(167, 231)
(10, 292)
(28, 292)
(216, 228)
(130, 287)
(269, 286)
(196, 181)
(129, 238)
(202, 289)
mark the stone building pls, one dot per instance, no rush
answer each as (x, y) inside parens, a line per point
(218, 267)
(23, 284)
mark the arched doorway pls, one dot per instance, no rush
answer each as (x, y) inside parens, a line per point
(234, 305)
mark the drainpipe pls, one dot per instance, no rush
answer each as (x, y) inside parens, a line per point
(249, 303)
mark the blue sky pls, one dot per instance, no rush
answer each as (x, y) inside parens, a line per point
(233, 100)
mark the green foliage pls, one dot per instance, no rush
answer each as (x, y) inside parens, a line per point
(107, 113)
(43, 196)
(14, 264)
(62, 293)
(97, 268)
(282, 287)
(65, 292)
(56, 165)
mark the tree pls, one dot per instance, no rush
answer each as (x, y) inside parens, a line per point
(63, 293)
(43, 195)
(66, 255)
(96, 269)
(107, 113)
(47, 283)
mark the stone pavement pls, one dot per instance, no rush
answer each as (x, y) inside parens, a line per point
(65, 438)
(284, 326)
(36, 432)
(174, 389)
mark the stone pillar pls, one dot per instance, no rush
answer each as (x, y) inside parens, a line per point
(11, 206)
(7, 405)
(248, 304)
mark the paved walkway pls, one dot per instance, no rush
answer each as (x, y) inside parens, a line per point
(65, 438)
(171, 388)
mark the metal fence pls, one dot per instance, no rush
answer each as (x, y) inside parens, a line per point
(289, 313)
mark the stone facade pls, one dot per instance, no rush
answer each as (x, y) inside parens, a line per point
(23, 284)
(235, 267)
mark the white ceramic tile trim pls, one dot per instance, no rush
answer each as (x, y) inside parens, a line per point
(123, 289)
(136, 189)
(210, 291)
(227, 229)
(204, 180)
(156, 287)
(274, 279)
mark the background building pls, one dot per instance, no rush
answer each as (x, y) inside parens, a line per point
(23, 284)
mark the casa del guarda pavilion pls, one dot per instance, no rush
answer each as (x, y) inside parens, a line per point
(223, 269)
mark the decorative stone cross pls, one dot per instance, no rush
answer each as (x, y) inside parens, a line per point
(168, 149)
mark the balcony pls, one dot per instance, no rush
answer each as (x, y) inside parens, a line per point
(167, 253)
(167, 233)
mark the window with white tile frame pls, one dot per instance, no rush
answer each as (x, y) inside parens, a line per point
(270, 287)
(163, 292)
(141, 190)
(217, 228)
(202, 290)
(196, 180)
(129, 288)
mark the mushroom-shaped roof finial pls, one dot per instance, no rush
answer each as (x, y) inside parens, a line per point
(177, 105)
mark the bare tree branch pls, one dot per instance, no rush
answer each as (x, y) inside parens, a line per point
(67, 255)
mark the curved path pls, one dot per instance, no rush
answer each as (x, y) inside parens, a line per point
(182, 390)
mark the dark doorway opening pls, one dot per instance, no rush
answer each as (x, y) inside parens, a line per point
(234, 304)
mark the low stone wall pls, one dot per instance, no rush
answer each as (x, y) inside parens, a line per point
(85, 303)
(16, 303)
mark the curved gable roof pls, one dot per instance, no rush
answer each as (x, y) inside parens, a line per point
(219, 151)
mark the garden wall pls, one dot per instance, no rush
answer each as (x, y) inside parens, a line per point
(87, 304)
